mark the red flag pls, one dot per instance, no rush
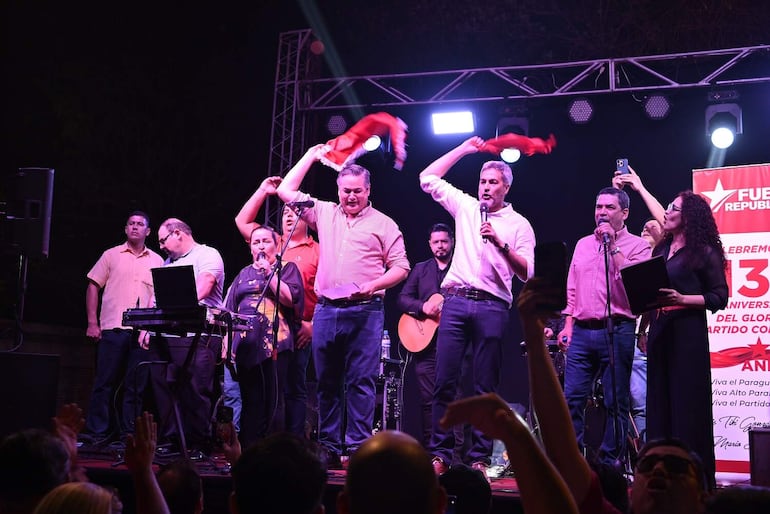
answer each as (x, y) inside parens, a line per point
(350, 145)
(526, 145)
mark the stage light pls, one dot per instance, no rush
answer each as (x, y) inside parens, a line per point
(373, 143)
(581, 110)
(510, 155)
(656, 107)
(723, 123)
(460, 122)
(336, 124)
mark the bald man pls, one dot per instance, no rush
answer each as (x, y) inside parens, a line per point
(391, 472)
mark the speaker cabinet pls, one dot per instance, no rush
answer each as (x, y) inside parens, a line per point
(29, 210)
(28, 388)
(759, 456)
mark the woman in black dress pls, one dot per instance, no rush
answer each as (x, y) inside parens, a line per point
(678, 365)
(260, 364)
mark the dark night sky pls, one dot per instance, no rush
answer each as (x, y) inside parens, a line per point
(168, 109)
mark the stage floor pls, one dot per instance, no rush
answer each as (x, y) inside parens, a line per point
(105, 467)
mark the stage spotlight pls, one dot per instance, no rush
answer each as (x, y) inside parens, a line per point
(656, 107)
(336, 124)
(581, 110)
(460, 122)
(510, 155)
(373, 143)
(723, 123)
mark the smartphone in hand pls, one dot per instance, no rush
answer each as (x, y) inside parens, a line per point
(621, 165)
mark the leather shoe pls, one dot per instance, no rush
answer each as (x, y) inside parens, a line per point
(439, 466)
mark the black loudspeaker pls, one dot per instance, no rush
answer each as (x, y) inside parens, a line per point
(30, 204)
(759, 456)
(28, 387)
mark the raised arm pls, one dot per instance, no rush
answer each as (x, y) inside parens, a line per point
(442, 165)
(245, 220)
(555, 424)
(542, 489)
(289, 188)
(140, 451)
(634, 181)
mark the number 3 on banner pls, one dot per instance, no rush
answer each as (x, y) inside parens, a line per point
(753, 276)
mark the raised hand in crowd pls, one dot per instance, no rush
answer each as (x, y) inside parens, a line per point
(140, 451)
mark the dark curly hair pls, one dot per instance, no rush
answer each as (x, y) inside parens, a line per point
(700, 230)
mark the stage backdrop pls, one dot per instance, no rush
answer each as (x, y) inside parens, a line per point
(740, 334)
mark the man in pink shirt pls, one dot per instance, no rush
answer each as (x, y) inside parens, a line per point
(362, 255)
(595, 325)
(122, 276)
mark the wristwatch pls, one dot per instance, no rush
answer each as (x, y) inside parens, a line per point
(505, 248)
(615, 250)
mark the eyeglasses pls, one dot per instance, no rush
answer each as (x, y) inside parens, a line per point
(673, 463)
(162, 240)
(672, 207)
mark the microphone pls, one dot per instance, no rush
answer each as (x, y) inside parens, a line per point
(605, 236)
(302, 205)
(261, 256)
(484, 209)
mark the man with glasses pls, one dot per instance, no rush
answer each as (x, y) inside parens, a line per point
(122, 276)
(195, 375)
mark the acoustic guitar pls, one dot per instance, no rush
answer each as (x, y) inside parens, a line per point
(416, 334)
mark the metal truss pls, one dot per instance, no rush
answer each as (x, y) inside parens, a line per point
(298, 91)
(288, 128)
(717, 68)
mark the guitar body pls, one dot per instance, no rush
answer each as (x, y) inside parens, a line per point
(416, 334)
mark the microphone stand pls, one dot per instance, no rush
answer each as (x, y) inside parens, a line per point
(611, 353)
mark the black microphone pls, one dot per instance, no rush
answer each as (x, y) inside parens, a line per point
(484, 209)
(261, 256)
(306, 203)
(605, 235)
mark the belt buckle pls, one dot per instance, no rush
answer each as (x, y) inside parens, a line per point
(473, 294)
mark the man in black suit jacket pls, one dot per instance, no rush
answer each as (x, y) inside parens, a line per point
(423, 282)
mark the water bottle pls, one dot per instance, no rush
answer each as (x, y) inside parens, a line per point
(385, 351)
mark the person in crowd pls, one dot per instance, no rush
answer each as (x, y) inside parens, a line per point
(362, 255)
(468, 490)
(181, 485)
(596, 324)
(391, 472)
(494, 244)
(739, 499)
(122, 276)
(679, 368)
(421, 300)
(81, 497)
(280, 474)
(299, 247)
(192, 379)
(671, 481)
(261, 361)
(32, 462)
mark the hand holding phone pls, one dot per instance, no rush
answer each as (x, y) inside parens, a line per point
(621, 165)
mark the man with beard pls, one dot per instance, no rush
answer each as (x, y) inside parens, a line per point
(362, 255)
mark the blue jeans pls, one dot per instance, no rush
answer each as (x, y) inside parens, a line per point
(588, 356)
(231, 397)
(117, 357)
(464, 322)
(639, 393)
(346, 351)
